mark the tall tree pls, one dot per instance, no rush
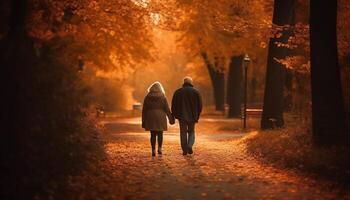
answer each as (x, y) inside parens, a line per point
(234, 87)
(217, 77)
(328, 118)
(38, 56)
(16, 52)
(284, 14)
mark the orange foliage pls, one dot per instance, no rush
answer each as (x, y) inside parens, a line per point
(344, 32)
(96, 29)
(224, 28)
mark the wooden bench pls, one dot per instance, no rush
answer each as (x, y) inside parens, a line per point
(254, 112)
(100, 112)
(136, 109)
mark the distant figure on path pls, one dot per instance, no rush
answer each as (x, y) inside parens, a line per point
(154, 112)
(187, 107)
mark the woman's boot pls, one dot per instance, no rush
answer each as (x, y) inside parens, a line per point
(153, 143)
(160, 142)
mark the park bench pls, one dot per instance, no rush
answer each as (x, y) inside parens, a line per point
(249, 110)
(100, 111)
(136, 108)
(253, 110)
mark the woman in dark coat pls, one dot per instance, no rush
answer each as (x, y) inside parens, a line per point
(154, 115)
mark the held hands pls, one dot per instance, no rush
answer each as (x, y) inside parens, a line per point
(172, 120)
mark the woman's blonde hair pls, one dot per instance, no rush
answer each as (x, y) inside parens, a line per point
(156, 87)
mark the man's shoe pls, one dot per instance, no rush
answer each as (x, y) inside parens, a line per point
(153, 153)
(184, 153)
(190, 151)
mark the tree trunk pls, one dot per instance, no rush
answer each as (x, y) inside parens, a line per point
(234, 87)
(14, 51)
(284, 14)
(218, 81)
(328, 117)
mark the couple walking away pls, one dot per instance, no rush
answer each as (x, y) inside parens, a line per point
(186, 107)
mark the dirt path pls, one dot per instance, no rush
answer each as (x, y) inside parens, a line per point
(219, 169)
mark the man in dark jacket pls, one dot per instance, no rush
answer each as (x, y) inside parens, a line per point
(186, 107)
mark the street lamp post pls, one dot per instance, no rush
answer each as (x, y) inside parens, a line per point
(246, 61)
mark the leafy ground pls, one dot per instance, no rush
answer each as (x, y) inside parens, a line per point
(292, 147)
(218, 169)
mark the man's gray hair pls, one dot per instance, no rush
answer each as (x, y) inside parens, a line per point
(188, 80)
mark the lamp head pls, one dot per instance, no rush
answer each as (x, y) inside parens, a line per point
(246, 58)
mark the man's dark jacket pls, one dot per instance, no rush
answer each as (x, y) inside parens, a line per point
(186, 104)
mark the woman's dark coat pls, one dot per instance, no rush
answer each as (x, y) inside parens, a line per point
(154, 112)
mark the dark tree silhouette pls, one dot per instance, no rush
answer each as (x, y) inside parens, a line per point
(328, 118)
(284, 14)
(218, 81)
(41, 108)
(234, 87)
(15, 51)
